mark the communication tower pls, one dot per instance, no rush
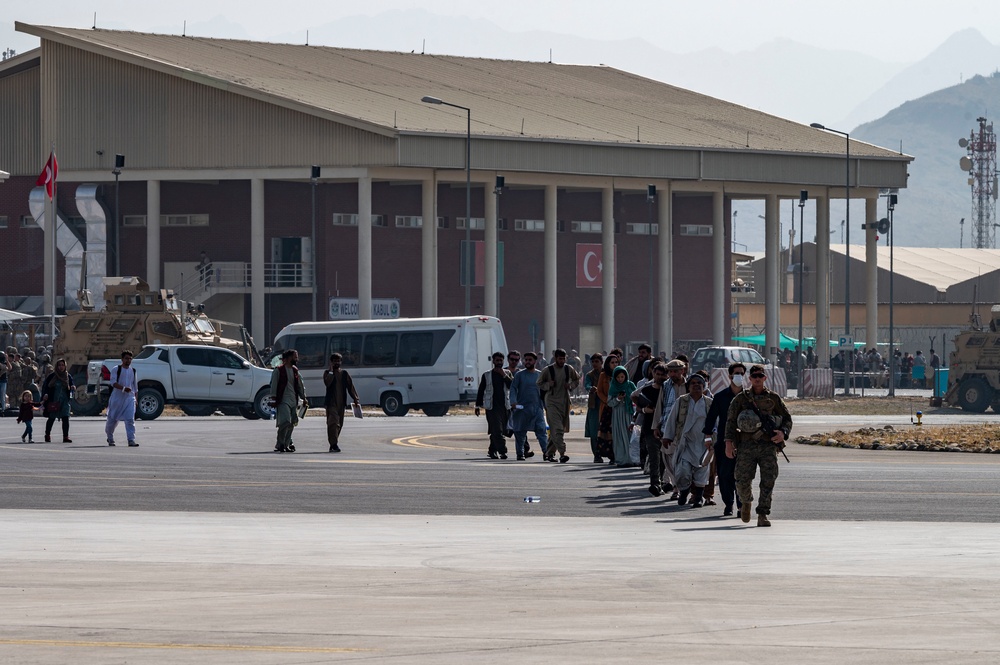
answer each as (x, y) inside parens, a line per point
(981, 165)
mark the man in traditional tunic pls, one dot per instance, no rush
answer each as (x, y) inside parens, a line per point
(339, 386)
(494, 396)
(121, 402)
(557, 381)
(684, 428)
(286, 391)
(527, 408)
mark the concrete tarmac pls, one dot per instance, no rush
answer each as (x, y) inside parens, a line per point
(156, 587)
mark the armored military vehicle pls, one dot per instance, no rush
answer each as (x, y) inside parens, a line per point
(133, 317)
(974, 372)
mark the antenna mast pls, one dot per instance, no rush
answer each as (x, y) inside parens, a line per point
(981, 164)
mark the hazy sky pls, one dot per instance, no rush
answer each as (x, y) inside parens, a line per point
(892, 30)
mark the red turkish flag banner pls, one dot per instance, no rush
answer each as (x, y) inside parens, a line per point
(590, 265)
(48, 175)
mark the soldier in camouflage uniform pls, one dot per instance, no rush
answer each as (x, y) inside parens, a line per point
(15, 376)
(745, 440)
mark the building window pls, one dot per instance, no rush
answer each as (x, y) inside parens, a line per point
(529, 224)
(409, 222)
(502, 224)
(696, 229)
(184, 220)
(3, 221)
(587, 227)
(442, 222)
(28, 222)
(134, 220)
(351, 219)
(642, 229)
(478, 223)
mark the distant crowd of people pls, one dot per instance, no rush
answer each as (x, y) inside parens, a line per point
(648, 414)
(908, 371)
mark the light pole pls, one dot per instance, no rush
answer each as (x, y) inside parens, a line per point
(847, 262)
(497, 191)
(892, 351)
(803, 197)
(650, 200)
(119, 165)
(468, 197)
(314, 176)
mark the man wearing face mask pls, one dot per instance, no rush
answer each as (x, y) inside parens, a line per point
(716, 422)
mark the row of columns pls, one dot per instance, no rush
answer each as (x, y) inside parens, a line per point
(664, 323)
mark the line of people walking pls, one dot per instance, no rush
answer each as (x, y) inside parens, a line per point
(647, 414)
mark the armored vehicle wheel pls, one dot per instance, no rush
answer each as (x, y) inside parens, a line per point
(149, 404)
(262, 404)
(248, 413)
(974, 395)
(436, 410)
(84, 403)
(198, 409)
(392, 404)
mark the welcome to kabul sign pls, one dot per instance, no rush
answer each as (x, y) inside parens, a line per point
(347, 308)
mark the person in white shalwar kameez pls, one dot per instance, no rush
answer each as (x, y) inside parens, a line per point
(121, 403)
(684, 428)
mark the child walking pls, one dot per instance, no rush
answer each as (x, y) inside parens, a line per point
(26, 414)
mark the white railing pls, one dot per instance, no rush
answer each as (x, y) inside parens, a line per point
(229, 276)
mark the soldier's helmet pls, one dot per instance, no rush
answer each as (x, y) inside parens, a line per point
(748, 421)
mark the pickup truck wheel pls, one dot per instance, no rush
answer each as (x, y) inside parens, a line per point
(198, 409)
(248, 413)
(262, 404)
(436, 410)
(392, 404)
(149, 404)
(974, 395)
(84, 403)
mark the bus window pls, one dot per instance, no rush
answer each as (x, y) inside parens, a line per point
(415, 348)
(312, 350)
(348, 346)
(380, 349)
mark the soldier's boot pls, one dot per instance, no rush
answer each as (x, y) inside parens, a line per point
(745, 511)
(762, 520)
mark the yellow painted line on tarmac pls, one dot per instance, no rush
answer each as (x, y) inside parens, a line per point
(418, 441)
(167, 645)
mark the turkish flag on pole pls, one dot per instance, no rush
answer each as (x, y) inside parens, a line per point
(48, 175)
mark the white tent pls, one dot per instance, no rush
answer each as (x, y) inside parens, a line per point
(7, 315)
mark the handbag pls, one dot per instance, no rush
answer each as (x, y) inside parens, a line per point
(53, 406)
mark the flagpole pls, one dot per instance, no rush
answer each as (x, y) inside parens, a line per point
(53, 222)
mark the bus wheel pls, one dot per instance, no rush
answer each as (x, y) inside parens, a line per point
(392, 404)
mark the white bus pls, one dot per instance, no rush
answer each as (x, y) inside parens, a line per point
(398, 364)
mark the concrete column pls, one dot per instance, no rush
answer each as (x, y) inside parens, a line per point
(490, 249)
(822, 268)
(608, 267)
(428, 249)
(550, 331)
(365, 248)
(257, 324)
(720, 286)
(871, 272)
(665, 306)
(153, 234)
(772, 286)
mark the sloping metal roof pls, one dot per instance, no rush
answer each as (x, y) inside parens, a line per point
(940, 267)
(381, 91)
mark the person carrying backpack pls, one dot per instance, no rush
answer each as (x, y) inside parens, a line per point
(121, 403)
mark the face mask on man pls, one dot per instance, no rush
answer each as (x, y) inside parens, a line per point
(738, 380)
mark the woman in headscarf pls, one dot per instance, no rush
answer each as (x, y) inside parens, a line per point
(620, 401)
(604, 434)
(593, 403)
(57, 388)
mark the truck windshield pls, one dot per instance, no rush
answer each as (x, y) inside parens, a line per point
(200, 326)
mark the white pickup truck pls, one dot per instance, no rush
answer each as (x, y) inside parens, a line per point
(191, 375)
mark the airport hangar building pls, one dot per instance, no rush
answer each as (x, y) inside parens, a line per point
(219, 137)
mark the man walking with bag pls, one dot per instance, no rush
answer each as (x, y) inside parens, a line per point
(121, 403)
(339, 387)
